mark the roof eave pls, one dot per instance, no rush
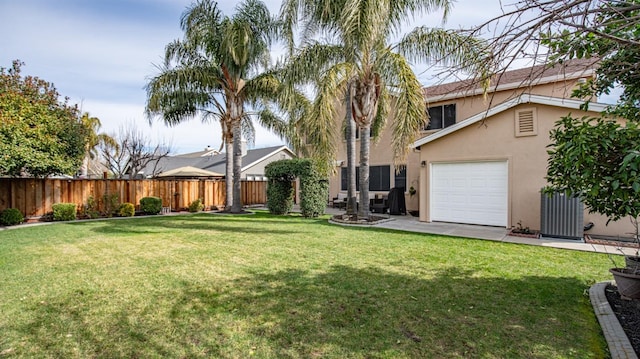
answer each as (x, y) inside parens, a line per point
(508, 86)
(524, 98)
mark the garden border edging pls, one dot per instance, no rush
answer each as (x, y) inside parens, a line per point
(619, 345)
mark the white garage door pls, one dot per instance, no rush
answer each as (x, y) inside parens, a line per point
(469, 192)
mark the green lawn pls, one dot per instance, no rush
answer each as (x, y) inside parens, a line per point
(285, 287)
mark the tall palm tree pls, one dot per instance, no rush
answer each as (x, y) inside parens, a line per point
(346, 49)
(94, 139)
(350, 134)
(215, 71)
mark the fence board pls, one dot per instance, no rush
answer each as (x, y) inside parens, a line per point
(35, 197)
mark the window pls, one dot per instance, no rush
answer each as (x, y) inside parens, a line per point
(379, 178)
(400, 179)
(343, 179)
(441, 117)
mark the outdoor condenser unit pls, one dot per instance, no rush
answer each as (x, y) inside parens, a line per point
(561, 216)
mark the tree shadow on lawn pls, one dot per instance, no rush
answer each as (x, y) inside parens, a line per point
(340, 312)
(201, 223)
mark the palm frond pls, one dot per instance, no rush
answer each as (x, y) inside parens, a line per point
(319, 128)
(178, 94)
(201, 22)
(263, 87)
(288, 20)
(256, 13)
(382, 113)
(403, 11)
(364, 24)
(248, 130)
(410, 111)
(310, 63)
(449, 48)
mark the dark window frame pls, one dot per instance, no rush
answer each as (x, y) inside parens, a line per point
(441, 116)
(400, 178)
(379, 178)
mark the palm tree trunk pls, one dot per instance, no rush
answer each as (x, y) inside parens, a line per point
(236, 207)
(365, 106)
(352, 204)
(228, 179)
(363, 208)
(84, 169)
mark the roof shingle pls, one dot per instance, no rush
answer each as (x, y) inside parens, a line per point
(571, 69)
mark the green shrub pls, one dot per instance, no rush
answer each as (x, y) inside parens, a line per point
(90, 209)
(314, 188)
(280, 196)
(47, 217)
(196, 206)
(64, 211)
(126, 210)
(314, 191)
(11, 217)
(111, 204)
(151, 205)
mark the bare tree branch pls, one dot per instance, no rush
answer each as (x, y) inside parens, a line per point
(132, 152)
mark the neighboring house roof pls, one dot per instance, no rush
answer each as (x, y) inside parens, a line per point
(189, 171)
(513, 79)
(218, 162)
(211, 160)
(258, 155)
(524, 98)
(206, 152)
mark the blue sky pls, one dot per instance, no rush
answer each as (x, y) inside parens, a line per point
(100, 53)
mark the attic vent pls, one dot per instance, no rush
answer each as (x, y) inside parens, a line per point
(526, 122)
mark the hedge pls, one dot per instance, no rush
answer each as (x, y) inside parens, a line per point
(314, 188)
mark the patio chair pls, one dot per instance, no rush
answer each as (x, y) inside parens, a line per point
(340, 201)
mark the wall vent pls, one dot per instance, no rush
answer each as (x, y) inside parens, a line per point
(526, 122)
(561, 216)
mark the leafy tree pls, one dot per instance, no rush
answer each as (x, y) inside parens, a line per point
(215, 71)
(39, 135)
(594, 158)
(346, 49)
(599, 161)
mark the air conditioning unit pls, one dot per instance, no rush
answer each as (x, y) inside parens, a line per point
(561, 216)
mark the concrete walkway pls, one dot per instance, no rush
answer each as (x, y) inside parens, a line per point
(412, 224)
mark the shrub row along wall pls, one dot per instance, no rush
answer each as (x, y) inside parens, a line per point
(35, 197)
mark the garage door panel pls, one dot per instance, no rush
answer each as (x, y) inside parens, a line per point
(469, 192)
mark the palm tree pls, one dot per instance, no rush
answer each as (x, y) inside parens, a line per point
(215, 71)
(350, 134)
(94, 139)
(346, 49)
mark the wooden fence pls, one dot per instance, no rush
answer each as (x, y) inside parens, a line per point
(35, 197)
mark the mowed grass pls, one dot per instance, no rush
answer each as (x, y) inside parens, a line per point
(286, 287)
